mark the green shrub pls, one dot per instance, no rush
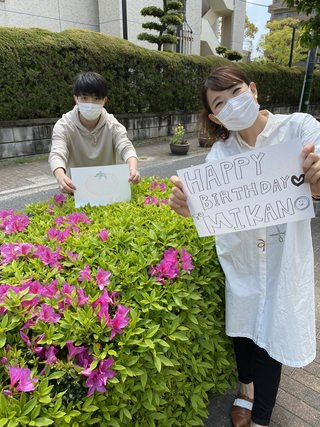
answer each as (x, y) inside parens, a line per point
(37, 68)
(169, 349)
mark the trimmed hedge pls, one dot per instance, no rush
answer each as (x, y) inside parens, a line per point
(167, 358)
(37, 68)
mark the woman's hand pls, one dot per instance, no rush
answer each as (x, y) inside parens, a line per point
(178, 200)
(311, 168)
(65, 183)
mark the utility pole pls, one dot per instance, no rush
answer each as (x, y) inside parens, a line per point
(292, 44)
(307, 82)
(124, 20)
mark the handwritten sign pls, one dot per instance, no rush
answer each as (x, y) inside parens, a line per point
(101, 185)
(259, 188)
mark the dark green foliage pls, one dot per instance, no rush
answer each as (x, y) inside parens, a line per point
(168, 19)
(232, 55)
(37, 68)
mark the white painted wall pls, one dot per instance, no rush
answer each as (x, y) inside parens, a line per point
(54, 15)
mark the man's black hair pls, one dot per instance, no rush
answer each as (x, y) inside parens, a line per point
(90, 84)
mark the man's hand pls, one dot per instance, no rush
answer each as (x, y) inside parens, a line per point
(65, 183)
(311, 168)
(134, 176)
(178, 200)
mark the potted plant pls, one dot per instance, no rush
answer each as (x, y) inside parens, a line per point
(204, 138)
(178, 143)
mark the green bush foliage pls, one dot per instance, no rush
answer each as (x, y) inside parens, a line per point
(38, 67)
(166, 355)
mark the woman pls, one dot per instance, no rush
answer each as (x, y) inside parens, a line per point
(269, 295)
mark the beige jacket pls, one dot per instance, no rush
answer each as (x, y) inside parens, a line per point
(75, 146)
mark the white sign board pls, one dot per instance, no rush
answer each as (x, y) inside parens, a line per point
(259, 188)
(101, 185)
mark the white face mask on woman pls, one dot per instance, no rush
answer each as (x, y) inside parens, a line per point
(239, 112)
(89, 110)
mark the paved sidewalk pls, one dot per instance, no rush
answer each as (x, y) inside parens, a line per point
(298, 403)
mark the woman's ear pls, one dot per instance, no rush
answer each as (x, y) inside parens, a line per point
(212, 118)
(105, 100)
(253, 89)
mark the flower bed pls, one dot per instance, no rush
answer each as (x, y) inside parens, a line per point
(110, 316)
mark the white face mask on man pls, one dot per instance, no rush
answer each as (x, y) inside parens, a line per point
(239, 112)
(89, 110)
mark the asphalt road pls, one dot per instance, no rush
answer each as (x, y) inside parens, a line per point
(165, 169)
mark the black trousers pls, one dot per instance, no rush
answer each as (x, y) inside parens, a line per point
(255, 365)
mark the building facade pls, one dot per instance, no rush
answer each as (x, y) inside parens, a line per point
(279, 10)
(207, 23)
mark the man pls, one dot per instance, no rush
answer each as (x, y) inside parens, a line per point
(88, 135)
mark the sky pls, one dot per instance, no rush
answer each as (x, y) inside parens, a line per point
(257, 12)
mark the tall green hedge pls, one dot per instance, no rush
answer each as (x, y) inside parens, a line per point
(37, 68)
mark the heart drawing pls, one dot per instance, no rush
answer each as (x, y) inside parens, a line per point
(297, 180)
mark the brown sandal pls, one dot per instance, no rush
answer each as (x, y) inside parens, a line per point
(241, 411)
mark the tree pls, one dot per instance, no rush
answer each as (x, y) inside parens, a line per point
(168, 19)
(311, 28)
(277, 44)
(232, 55)
(250, 30)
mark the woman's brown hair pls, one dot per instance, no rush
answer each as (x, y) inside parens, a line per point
(221, 78)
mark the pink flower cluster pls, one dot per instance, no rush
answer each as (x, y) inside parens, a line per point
(47, 303)
(171, 264)
(97, 378)
(153, 200)
(12, 223)
(20, 380)
(12, 251)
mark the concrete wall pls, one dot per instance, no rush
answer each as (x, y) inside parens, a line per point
(103, 16)
(54, 15)
(230, 32)
(33, 137)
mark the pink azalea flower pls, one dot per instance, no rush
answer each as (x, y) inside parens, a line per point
(59, 199)
(50, 290)
(102, 278)
(72, 219)
(82, 297)
(48, 315)
(163, 186)
(119, 321)
(5, 213)
(15, 223)
(97, 378)
(84, 359)
(47, 256)
(50, 355)
(186, 261)
(73, 350)
(103, 234)
(85, 273)
(153, 185)
(21, 377)
(25, 338)
(72, 255)
(164, 201)
(151, 200)
(51, 210)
